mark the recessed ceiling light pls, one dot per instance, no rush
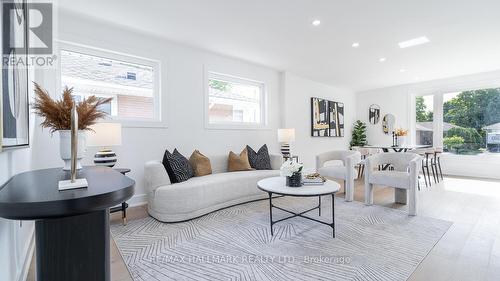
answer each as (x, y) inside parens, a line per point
(382, 59)
(355, 45)
(402, 70)
(413, 42)
(316, 22)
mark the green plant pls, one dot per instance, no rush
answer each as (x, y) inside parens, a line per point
(453, 142)
(359, 134)
(471, 137)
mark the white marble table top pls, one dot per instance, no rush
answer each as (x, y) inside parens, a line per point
(277, 185)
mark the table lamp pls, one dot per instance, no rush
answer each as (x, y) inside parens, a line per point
(105, 135)
(285, 137)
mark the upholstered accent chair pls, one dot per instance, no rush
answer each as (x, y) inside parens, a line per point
(344, 168)
(403, 176)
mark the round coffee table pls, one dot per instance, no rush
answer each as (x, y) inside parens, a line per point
(276, 185)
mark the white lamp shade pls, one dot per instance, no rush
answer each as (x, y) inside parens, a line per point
(105, 134)
(286, 135)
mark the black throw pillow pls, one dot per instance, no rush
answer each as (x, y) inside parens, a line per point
(259, 160)
(177, 166)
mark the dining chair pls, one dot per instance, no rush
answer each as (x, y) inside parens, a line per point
(365, 152)
(403, 178)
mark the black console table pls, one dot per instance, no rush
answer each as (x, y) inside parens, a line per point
(123, 207)
(72, 226)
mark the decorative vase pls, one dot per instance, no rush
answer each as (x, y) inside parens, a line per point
(295, 180)
(401, 140)
(65, 148)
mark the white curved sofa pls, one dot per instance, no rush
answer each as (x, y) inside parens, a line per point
(201, 195)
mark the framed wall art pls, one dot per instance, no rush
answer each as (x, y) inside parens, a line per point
(374, 114)
(319, 119)
(15, 96)
(327, 118)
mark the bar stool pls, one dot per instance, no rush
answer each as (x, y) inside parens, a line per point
(424, 153)
(437, 162)
(431, 161)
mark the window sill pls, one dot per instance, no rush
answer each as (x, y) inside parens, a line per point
(139, 124)
(236, 127)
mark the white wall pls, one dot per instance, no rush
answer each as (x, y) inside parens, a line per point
(297, 93)
(392, 100)
(16, 239)
(399, 101)
(182, 74)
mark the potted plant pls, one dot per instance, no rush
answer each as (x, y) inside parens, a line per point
(293, 173)
(56, 115)
(358, 134)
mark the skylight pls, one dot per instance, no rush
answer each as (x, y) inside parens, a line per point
(413, 42)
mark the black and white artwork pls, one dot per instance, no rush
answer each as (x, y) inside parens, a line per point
(15, 103)
(374, 114)
(327, 118)
(336, 115)
(319, 111)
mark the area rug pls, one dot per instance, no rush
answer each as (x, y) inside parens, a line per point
(372, 243)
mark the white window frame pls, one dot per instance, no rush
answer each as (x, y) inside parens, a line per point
(160, 116)
(263, 125)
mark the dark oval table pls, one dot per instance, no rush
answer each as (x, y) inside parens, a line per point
(72, 226)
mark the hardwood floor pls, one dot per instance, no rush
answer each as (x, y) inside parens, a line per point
(470, 250)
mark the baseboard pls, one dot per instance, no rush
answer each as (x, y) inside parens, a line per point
(138, 200)
(23, 275)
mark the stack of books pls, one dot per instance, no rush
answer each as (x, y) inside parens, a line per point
(316, 181)
(313, 179)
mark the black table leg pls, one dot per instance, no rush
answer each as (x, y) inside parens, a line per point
(271, 211)
(301, 214)
(333, 214)
(73, 248)
(319, 207)
(124, 213)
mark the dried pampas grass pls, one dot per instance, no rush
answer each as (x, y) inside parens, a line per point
(57, 113)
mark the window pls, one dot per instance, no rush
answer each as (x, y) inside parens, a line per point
(468, 122)
(424, 125)
(131, 82)
(471, 122)
(234, 102)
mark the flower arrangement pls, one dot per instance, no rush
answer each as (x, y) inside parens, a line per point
(57, 113)
(400, 132)
(290, 167)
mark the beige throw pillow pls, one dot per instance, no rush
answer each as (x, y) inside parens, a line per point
(200, 163)
(238, 162)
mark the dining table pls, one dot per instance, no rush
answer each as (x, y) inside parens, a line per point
(398, 148)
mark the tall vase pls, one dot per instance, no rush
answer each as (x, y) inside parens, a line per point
(65, 148)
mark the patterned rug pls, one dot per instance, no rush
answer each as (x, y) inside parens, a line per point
(372, 243)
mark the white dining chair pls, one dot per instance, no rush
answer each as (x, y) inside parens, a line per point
(403, 177)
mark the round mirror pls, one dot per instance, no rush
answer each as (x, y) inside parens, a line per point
(388, 123)
(374, 114)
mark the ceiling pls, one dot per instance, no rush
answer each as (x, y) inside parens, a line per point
(464, 34)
